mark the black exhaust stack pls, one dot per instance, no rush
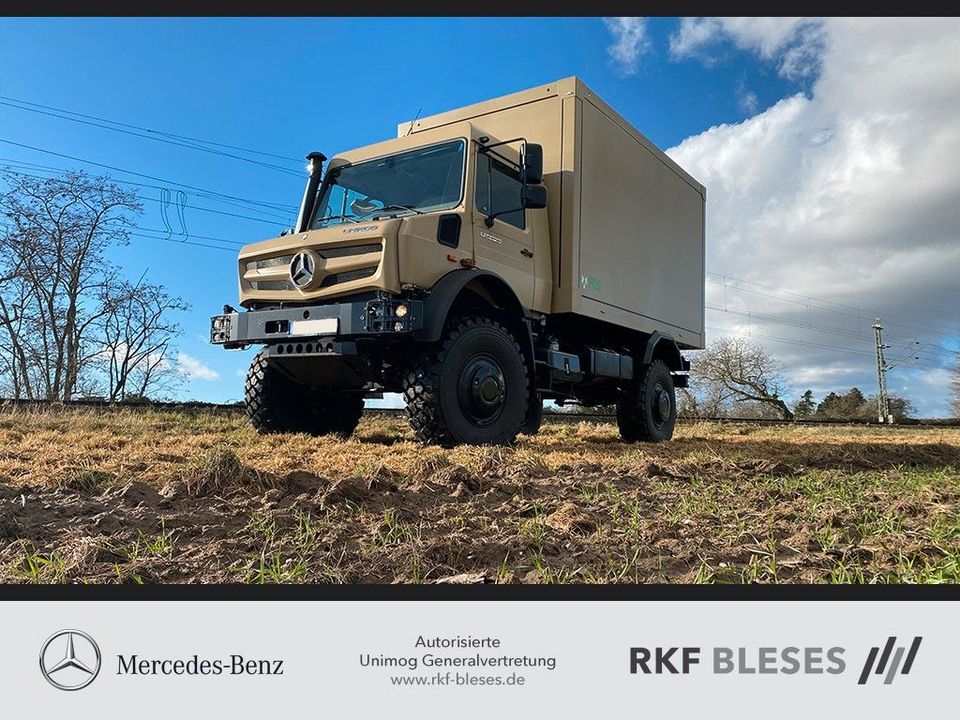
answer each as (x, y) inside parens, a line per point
(315, 168)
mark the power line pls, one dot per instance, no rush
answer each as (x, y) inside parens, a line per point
(177, 143)
(271, 221)
(750, 314)
(790, 341)
(836, 331)
(805, 343)
(803, 326)
(270, 205)
(54, 172)
(185, 242)
(133, 233)
(233, 243)
(859, 314)
(144, 129)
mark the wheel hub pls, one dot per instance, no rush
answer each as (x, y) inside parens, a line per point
(661, 404)
(481, 389)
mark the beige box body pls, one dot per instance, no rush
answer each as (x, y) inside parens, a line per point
(626, 223)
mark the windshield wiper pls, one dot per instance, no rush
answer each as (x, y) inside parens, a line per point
(394, 206)
(351, 218)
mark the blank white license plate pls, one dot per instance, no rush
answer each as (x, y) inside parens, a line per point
(322, 326)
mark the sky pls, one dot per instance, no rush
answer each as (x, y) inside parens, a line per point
(830, 151)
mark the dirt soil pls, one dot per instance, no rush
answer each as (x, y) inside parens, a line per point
(198, 497)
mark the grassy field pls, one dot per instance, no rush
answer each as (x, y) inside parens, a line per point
(124, 496)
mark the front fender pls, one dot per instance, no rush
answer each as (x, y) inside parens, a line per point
(446, 291)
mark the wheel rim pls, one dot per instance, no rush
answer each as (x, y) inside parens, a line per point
(481, 390)
(662, 407)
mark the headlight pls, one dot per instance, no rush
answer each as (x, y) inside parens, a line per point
(401, 311)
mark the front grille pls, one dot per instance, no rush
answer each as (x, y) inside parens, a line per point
(335, 252)
(343, 277)
(269, 262)
(270, 274)
(273, 285)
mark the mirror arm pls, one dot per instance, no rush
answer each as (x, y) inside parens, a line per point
(490, 218)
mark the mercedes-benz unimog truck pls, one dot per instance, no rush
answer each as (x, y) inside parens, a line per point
(487, 259)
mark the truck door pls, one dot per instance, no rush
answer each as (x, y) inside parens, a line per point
(506, 246)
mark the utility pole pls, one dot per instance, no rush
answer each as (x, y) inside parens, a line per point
(883, 406)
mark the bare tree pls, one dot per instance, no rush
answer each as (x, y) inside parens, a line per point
(63, 306)
(733, 371)
(688, 406)
(14, 365)
(137, 334)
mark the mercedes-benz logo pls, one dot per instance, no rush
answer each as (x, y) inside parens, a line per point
(302, 268)
(70, 660)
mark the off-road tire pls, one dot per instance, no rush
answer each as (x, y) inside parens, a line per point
(534, 419)
(277, 404)
(437, 390)
(640, 413)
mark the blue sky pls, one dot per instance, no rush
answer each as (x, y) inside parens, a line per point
(289, 86)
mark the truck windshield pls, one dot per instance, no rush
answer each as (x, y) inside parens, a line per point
(421, 180)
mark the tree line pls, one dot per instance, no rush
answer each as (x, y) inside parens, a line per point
(71, 324)
(735, 377)
(851, 405)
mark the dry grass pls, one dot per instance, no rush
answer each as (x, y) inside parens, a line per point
(127, 496)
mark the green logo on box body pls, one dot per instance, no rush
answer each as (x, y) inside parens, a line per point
(591, 282)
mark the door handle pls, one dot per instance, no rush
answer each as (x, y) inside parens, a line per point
(526, 253)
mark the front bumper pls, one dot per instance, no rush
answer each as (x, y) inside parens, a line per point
(299, 327)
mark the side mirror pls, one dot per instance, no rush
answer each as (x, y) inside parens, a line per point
(533, 164)
(534, 197)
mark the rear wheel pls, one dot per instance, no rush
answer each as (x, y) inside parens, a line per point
(647, 407)
(472, 390)
(276, 403)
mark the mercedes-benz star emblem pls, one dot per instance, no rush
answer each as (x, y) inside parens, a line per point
(70, 660)
(302, 268)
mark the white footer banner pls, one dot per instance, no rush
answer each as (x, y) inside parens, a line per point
(476, 659)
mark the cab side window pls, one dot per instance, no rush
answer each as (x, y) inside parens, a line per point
(498, 188)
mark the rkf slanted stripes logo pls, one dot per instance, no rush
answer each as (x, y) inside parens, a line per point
(894, 664)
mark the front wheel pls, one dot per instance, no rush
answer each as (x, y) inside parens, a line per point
(472, 390)
(647, 406)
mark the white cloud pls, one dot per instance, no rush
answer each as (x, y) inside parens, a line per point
(938, 377)
(194, 369)
(630, 41)
(823, 378)
(795, 43)
(747, 100)
(694, 34)
(849, 194)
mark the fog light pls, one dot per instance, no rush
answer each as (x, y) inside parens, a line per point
(398, 326)
(401, 311)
